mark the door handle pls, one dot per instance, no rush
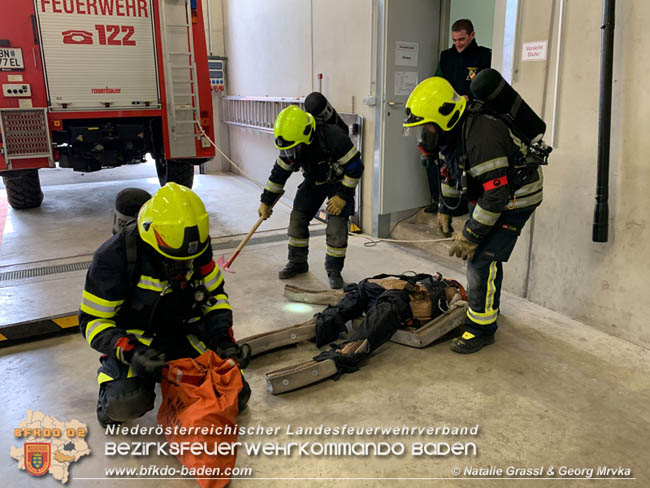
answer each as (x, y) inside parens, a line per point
(394, 104)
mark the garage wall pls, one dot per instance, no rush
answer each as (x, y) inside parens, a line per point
(277, 49)
(604, 284)
(213, 23)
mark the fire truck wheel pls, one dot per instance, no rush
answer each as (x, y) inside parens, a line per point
(177, 171)
(23, 189)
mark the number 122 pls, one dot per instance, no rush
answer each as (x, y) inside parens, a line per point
(113, 31)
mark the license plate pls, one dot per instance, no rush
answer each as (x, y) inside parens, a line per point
(11, 58)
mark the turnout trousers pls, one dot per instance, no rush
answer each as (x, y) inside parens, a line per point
(485, 271)
(306, 204)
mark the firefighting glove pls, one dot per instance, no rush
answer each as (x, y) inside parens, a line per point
(335, 205)
(462, 248)
(232, 350)
(148, 363)
(444, 224)
(264, 211)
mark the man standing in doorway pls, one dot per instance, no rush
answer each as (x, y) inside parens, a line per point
(460, 63)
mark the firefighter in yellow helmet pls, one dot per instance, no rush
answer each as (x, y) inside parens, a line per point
(332, 167)
(152, 294)
(481, 158)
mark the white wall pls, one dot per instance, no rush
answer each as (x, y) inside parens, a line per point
(213, 24)
(605, 284)
(277, 48)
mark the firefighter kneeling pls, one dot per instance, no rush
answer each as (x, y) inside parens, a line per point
(152, 294)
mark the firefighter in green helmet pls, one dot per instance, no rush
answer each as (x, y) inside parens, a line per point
(332, 167)
(481, 155)
(153, 294)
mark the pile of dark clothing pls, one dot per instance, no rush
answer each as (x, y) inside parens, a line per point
(389, 302)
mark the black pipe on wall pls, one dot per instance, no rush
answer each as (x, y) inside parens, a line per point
(601, 211)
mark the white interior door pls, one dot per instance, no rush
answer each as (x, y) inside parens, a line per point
(408, 40)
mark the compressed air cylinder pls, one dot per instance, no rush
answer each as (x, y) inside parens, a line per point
(490, 87)
(127, 205)
(317, 105)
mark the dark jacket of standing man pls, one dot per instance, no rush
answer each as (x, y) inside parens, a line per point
(460, 63)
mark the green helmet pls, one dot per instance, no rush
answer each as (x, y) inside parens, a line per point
(175, 223)
(434, 101)
(292, 127)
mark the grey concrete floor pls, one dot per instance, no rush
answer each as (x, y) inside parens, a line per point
(550, 392)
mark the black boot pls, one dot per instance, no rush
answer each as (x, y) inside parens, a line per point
(433, 208)
(469, 343)
(292, 269)
(104, 420)
(244, 395)
(335, 279)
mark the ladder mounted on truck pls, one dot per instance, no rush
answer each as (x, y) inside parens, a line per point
(181, 88)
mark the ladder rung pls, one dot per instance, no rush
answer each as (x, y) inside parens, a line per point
(177, 25)
(179, 53)
(180, 67)
(188, 94)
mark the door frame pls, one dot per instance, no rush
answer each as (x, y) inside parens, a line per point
(381, 222)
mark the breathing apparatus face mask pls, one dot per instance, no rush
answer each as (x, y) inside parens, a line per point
(176, 269)
(427, 140)
(293, 153)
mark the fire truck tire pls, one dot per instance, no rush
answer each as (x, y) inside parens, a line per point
(177, 171)
(23, 189)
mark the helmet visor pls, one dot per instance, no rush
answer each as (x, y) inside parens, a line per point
(282, 143)
(412, 119)
(426, 135)
(293, 153)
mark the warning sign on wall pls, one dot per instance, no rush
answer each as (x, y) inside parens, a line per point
(534, 51)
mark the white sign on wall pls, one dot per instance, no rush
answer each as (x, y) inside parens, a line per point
(405, 81)
(534, 51)
(406, 53)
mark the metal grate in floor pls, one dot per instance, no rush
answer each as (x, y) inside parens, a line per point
(65, 268)
(44, 271)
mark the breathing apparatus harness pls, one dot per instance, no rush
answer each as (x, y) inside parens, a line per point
(520, 167)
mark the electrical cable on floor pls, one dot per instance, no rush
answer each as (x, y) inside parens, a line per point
(372, 241)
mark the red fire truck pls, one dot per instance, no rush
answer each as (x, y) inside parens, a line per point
(92, 84)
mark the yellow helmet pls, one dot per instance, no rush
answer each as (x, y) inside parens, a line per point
(292, 127)
(434, 101)
(175, 223)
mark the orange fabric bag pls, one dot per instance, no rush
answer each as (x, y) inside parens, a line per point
(202, 392)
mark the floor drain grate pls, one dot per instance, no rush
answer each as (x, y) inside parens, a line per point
(65, 268)
(44, 271)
